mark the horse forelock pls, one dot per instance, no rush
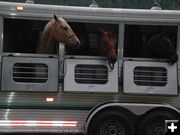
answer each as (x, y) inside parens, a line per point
(47, 30)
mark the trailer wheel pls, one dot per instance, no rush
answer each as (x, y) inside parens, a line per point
(154, 123)
(111, 122)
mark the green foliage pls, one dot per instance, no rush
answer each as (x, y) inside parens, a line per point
(137, 4)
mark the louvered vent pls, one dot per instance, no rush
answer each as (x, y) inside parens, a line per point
(91, 74)
(30, 72)
(150, 76)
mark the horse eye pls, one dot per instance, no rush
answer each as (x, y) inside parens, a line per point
(65, 28)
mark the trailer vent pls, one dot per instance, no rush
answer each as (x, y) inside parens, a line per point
(30, 72)
(91, 74)
(150, 76)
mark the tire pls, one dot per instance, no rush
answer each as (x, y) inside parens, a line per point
(111, 122)
(153, 123)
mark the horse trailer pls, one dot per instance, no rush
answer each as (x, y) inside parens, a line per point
(74, 90)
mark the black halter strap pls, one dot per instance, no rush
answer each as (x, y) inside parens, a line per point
(111, 65)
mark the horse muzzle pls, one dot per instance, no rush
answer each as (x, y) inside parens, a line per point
(75, 44)
(173, 58)
(112, 60)
(78, 44)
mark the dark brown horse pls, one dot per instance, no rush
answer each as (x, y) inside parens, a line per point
(108, 47)
(159, 46)
(57, 31)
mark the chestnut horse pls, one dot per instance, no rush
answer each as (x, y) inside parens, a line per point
(57, 31)
(108, 47)
(160, 46)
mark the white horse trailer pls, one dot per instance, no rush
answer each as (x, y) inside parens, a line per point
(77, 92)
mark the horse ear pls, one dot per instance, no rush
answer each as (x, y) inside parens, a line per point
(55, 17)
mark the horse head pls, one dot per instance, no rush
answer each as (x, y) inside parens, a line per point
(166, 49)
(109, 45)
(162, 47)
(63, 33)
(57, 30)
(159, 45)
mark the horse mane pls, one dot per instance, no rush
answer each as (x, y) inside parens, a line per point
(46, 35)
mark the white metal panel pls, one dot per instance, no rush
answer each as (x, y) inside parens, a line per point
(29, 74)
(168, 87)
(71, 85)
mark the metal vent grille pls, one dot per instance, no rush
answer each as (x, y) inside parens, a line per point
(30, 72)
(150, 76)
(91, 74)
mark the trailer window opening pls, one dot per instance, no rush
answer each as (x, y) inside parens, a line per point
(137, 36)
(22, 36)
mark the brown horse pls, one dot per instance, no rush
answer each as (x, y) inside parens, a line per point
(57, 31)
(108, 47)
(160, 46)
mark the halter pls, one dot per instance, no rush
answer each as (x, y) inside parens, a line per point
(68, 38)
(111, 65)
